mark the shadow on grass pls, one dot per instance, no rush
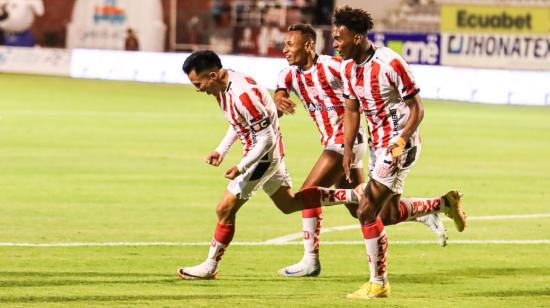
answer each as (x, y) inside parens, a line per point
(77, 274)
(12, 279)
(115, 298)
(512, 293)
(453, 276)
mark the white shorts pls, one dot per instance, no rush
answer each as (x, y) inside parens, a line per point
(358, 151)
(379, 167)
(269, 175)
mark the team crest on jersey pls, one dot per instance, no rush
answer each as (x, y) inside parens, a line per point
(383, 171)
(359, 90)
(312, 91)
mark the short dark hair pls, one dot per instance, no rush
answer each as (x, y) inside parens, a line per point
(356, 20)
(200, 61)
(305, 29)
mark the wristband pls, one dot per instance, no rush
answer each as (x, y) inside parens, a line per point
(397, 151)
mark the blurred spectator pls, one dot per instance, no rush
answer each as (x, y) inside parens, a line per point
(3, 15)
(322, 12)
(3, 12)
(131, 43)
(221, 12)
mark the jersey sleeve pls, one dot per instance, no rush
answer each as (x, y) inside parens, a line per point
(345, 72)
(284, 82)
(227, 141)
(401, 76)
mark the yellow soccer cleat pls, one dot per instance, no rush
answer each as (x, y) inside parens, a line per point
(371, 290)
(455, 212)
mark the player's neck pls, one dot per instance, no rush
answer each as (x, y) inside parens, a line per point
(364, 53)
(311, 60)
(224, 78)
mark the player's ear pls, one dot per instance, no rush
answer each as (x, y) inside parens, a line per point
(358, 39)
(310, 45)
(213, 75)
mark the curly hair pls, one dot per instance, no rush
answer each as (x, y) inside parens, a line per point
(306, 30)
(356, 20)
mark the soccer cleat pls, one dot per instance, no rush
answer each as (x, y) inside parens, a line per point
(301, 269)
(203, 271)
(454, 211)
(371, 290)
(436, 225)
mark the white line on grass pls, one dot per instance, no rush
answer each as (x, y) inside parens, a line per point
(411, 242)
(285, 240)
(295, 236)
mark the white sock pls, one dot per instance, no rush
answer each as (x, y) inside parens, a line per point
(311, 226)
(215, 253)
(376, 243)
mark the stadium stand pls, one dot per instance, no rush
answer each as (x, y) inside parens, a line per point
(423, 15)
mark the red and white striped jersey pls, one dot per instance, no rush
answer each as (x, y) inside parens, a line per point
(250, 110)
(321, 91)
(382, 83)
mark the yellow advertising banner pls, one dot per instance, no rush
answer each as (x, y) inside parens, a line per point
(495, 19)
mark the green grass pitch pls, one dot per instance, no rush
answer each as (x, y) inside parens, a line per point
(97, 161)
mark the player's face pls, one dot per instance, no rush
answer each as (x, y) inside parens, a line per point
(344, 41)
(205, 82)
(295, 48)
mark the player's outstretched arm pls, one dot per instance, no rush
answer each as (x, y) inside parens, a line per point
(352, 118)
(283, 103)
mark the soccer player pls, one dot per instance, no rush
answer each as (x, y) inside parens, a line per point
(378, 81)
(317, 81)
(252, 116)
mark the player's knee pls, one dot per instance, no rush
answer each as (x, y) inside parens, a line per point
(366, 215)
(352, 208)
(224, 211)
(389, 220)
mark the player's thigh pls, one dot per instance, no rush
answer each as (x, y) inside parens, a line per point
(285, 200)
(356, 172)
(357, 177)
(390, 211)
(326, 171)
(279, 188)
(376, 195)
